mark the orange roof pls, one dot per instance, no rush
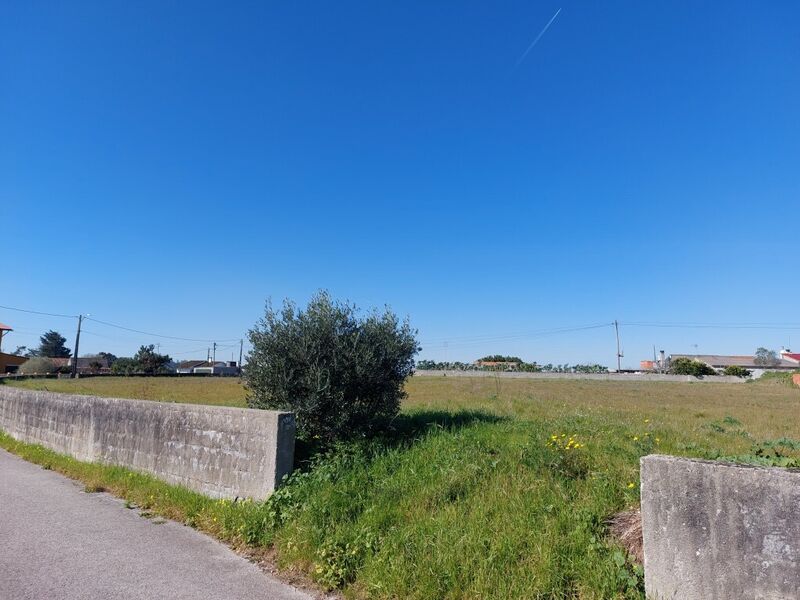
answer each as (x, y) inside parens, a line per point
(5, 328)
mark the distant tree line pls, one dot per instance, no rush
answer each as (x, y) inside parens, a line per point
(501, 358)
(52, 345)
(145, 362)
(522, 366)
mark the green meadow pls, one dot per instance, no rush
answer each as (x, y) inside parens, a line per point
(485, 487)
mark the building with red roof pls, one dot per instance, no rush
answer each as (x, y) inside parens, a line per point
(788, 355)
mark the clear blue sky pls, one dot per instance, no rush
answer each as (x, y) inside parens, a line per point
(168, 166)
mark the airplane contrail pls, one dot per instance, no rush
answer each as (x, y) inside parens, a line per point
(538, 37)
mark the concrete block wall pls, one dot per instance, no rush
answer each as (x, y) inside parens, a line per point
(218, 451)
(715, 531)
(585, 376)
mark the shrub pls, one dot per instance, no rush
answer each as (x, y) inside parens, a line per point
(39, 364)
(124, 366)
(737, 371)
(687, 366)
(341, 374)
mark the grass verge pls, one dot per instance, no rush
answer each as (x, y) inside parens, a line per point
(448, 508)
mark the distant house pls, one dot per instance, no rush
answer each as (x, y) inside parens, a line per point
(791, 357)
(10, 363)
(206, 367)
(788, 361)
(186, 367)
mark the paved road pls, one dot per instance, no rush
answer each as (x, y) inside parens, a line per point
(57, 542)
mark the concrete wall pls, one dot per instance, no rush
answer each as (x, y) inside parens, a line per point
(221, 452)
(589, 376)
(716, 531)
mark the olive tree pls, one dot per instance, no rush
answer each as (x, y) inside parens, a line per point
(341, 373)
(766, 358)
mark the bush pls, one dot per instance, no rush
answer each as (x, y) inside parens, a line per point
(124, 366)
(737, 371)
(687, 366)
(38, 364)
(342, 375)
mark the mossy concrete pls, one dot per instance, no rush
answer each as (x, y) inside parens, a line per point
(715, 531)
(222, 452)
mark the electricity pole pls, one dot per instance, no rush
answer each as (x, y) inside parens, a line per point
(214, 360)
(241, 345)
(77, 344)
(619, 354)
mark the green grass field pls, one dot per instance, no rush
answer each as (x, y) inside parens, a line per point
(478, 493)
(226, 391)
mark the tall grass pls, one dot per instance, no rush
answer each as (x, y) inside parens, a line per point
(218, 391)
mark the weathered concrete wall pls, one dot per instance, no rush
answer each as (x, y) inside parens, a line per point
(221, 452)
(589, 376)
(715, 531)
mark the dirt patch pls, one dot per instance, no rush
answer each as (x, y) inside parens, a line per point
(626, 528)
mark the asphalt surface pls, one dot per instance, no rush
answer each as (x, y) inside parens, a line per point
(58, 542)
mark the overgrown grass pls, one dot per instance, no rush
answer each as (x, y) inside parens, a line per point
(472, 496)
(217, 391)
(778, 377)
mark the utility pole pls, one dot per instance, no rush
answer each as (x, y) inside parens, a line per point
(77, 344)
(241, 346)
(619, 354)
(215, 352)
(208, 355)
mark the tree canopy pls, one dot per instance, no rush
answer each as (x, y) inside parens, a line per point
(501, 358)
(766, 358)
(52, 345)
(145, 362)
(340, 372)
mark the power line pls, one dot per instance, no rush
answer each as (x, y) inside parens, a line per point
(196, 350)
(168, 337)
(36, 312)
(533, 335)
(717, 325)
(48, 314)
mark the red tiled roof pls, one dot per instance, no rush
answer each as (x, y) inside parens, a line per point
(791, 356)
